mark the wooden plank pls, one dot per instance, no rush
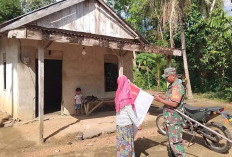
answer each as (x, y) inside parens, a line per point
(120, 64)
(119, 18)
(79, 16)
(92, 16)
(40, 14)
(96, 17)
(86, 17)
(85, 107)
(19, 33)
(41, 89)
(95, 107)
(62, 108)
(92, 41)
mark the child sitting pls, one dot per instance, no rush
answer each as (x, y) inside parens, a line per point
(77, 101)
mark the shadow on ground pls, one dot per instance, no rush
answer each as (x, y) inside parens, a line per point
(155, 110)
(59, 130)
(141, 145)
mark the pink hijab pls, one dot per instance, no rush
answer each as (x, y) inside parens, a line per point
(123, 94)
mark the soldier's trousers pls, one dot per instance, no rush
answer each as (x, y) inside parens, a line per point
(175, 141)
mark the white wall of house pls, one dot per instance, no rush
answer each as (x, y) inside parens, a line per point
(27, 79)
(9, 96)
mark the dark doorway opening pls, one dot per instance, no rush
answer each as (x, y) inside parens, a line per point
(111, 75)
(52, 86)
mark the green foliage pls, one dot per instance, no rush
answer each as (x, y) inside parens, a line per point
(139, 78)
(209, 44)
(9, 9)
(228, 94)
(148, 71)
(121, 6)
(225, 94)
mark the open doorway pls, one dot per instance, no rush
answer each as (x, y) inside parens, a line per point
(52, 86)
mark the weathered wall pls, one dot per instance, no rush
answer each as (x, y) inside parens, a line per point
(9, 96)
(85, 71)
(27, 76)
(89, 16)
(27, 79)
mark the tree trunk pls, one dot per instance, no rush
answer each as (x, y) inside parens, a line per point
(169, 58)
(188, 86)
(148, 78)
(171, 23)
(212, 6)
(164, 14)
(134, 59)
(158, 77)
(160, 30)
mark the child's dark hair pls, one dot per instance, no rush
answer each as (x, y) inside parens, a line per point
(78, 89)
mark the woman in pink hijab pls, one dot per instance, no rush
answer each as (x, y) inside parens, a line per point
(125, 119)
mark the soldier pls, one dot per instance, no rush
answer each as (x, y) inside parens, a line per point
(173, 99)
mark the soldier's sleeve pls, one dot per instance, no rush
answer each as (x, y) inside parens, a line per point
(177, 93)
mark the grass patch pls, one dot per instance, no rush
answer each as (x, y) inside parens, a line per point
(218, 96)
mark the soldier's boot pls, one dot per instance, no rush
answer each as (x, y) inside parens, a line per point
(170, 152)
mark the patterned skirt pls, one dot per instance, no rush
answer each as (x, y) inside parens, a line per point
(125, 141)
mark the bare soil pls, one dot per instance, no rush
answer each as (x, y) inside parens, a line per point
(60, 133)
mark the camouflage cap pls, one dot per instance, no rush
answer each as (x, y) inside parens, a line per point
(168, 72)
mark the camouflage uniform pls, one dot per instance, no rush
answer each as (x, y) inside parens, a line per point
(172, 119)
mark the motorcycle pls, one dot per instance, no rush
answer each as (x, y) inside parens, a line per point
(202, 115)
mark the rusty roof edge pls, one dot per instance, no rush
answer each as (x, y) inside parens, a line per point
(102, 37)
(70, 32)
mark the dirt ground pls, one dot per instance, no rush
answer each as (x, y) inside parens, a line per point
(60, 133)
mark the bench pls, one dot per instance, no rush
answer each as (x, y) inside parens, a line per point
(97, 104)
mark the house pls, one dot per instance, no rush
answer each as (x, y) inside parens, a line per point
(46, 54)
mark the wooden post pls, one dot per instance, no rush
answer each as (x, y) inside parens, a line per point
(41, 90)
(62, 107)
(169, 58)
(120, 64)
(134, 58)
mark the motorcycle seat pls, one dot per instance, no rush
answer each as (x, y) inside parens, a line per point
(192, 109)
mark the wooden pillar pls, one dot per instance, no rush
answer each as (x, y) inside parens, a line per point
(120, 64)
(169, 58)
(41, 90)
(134, 58)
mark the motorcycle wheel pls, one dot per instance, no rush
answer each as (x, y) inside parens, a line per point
(222, 145)
(160, 124)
